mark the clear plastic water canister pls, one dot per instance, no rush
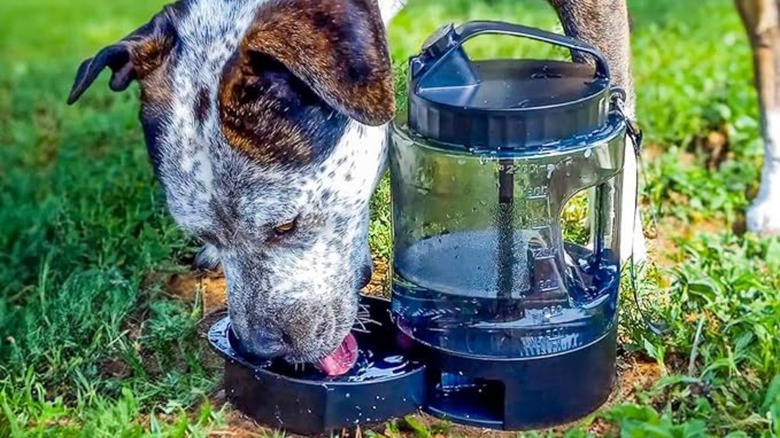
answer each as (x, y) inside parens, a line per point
(481, 169)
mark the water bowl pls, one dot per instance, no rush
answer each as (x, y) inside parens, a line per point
(385, 383)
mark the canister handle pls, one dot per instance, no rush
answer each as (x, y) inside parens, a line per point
(449, 38)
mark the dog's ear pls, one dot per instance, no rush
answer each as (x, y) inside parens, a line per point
(338, 48)
(132, 58)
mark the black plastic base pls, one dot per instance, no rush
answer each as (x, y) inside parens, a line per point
(387, 385)
(399, 376)
(522, 394)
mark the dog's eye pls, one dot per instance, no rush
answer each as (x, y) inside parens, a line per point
(286, 228)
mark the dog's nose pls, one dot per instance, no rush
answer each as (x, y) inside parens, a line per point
(364, 278)
(262, 345)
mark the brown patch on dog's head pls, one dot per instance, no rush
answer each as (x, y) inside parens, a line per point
(328, 57)
(255, 110)
(337, 47)
(136, 57)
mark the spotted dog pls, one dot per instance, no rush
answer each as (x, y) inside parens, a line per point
(265, 122)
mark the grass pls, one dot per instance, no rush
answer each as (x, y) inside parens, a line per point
(92, 343)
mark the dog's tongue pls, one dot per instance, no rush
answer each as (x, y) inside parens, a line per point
(341, 360)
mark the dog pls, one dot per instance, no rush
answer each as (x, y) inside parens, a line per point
(266, 125)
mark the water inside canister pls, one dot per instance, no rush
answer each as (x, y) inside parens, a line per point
(439, 304)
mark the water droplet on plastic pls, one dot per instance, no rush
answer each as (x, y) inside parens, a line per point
(395, 360)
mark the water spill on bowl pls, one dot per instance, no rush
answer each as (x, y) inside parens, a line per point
(374, 362)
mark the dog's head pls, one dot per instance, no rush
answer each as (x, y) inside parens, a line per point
(265, 124)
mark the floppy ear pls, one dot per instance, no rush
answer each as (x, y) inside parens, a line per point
(132, 58)
(338, 48)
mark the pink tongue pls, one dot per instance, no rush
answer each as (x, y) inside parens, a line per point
(341, 360)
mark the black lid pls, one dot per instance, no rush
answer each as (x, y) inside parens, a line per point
(504, 104)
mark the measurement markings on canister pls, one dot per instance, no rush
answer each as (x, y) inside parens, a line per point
(549, 285)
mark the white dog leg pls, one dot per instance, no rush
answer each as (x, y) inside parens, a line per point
(763, 217)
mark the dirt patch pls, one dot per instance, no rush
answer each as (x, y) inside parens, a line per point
(710, 150)
(209, 290)
(663, 247)
(380, 279)
(653, 152)
(636, 375)
(713, 147)
(115, 369)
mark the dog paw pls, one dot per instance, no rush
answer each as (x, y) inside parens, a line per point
(763, 217)
(207, 259)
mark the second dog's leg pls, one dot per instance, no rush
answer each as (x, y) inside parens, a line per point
(604, 24)
(762, 24)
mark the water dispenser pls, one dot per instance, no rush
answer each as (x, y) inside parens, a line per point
(495, 320)
(517, 325)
